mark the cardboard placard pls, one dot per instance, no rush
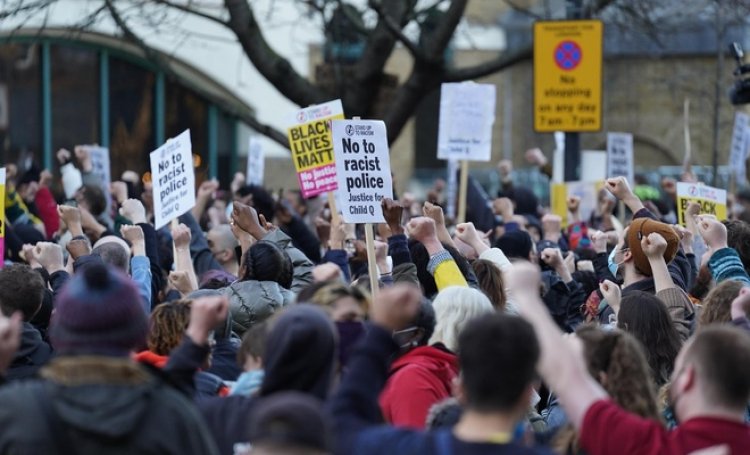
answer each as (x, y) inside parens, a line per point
(312, 149)
(467, 113)
(713, 201)
(173, 179)
(363, 169)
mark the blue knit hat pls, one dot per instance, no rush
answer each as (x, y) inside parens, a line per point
(99, 312)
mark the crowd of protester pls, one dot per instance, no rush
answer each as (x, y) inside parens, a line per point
(248, 325)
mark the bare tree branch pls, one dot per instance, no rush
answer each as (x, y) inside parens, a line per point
(516, 7)
(276, 69)
(164, 66)
(25, 7)
(503, 61)
(441, 36)
(193, 11)
(394, 28)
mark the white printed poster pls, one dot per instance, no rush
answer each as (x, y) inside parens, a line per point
(255, 162)
(363, 169)
(738, 149)
(173, 179)
(620, 155)
(467, 113)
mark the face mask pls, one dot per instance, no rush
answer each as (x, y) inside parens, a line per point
(404, 338)
(349, 333)
(611, 264)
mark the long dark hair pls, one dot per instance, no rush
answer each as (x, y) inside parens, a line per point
(645, 317)
(264, 261)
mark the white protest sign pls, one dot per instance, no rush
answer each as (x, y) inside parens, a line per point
(100, 167)
(363, 169)
(467, 113)
(740, 143)
(255, 162)
(593, 165)
(100, 164)
(173, 179)
(620, 155)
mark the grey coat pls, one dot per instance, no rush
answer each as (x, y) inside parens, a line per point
(253, 301)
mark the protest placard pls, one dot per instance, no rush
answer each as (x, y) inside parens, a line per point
(593, 165)
(587, 191)
(312, 148)
(100, 164)
(363, 169)
(173, 179)
(2, 217)
(713, 201)
(467, 113)
(740, 144)
(100, 167)
(256, 163)
(620, 155)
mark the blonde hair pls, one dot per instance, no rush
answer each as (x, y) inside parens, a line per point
(454, 307)
(328, 295)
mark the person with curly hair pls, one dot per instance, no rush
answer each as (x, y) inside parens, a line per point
(617, 361)
(166, 331)
(718, 303)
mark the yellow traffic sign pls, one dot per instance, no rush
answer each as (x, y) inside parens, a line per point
(567, 76)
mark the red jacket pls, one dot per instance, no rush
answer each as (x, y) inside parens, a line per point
(418, 379)
(47, 209)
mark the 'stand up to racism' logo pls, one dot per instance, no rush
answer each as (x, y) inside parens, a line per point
(301, 116)
(349, 130)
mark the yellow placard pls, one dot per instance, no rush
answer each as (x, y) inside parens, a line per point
(587, 191)
(568, 76)
(311, 145)
(713, 201)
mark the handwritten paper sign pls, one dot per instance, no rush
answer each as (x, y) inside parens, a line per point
(467, 113)
(312, 148)
(173, 179)
(363, 169)
(713, 201)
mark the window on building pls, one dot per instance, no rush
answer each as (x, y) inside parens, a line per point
(131, 116)
(75, 96)
(225, 143)
(20, 103)
(185, 109)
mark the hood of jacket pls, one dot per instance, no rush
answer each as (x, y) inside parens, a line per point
(105, 397)
(32, 354)
(441, 363)
(300, 352)
(251, 302)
